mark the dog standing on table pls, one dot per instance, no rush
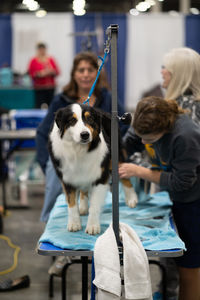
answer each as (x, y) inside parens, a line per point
(80, 148)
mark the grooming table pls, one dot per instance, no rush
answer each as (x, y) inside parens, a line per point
(151, 219)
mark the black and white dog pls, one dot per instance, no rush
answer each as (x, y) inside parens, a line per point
(79, 146)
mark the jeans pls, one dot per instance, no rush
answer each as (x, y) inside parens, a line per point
(53, 189)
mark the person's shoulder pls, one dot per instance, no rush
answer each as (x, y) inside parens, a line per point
(32, 59)
(182, 132)
(104, 100)
(105, 92)
(35, 58)
(51, 58)
(186, 127)
(61, 99)
(187, 100)
(105, 95)
(182, 120)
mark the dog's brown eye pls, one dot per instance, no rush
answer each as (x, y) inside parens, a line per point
(73, 120)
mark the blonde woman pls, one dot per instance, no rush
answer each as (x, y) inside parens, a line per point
(181, 79)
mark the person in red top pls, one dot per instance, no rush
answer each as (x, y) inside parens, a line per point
(43, 70)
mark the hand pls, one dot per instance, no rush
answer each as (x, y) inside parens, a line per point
(127, 170)
(43, 73)
(50, 71)
(46, 72)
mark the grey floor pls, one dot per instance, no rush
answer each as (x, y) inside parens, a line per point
(23, 227)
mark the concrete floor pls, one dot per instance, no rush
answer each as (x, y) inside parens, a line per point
(23, 227)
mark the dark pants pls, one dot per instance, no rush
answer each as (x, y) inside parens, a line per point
(43, 96)
(187, 220)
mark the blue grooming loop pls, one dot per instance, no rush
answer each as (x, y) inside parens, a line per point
(99, 71)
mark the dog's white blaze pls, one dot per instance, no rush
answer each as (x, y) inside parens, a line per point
(79, 127)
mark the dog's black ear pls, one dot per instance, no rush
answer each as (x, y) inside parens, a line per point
(58, 117)
(106, 122)
(104, 119)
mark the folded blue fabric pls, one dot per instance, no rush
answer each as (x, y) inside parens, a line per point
(150, 219)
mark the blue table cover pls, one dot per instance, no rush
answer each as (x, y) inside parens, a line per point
(150, 219)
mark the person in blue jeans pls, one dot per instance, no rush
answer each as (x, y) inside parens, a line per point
(83, 74)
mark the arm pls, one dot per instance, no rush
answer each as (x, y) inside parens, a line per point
(35, 69)
(55, 69)
(43, 133)
(32, 68)
(127, 170)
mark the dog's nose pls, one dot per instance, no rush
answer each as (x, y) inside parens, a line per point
(85, 135)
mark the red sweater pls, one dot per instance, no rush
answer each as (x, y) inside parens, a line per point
(35, 66)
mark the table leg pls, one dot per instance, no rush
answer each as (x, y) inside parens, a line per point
(84, 277)
(51, 286)
(64, 285)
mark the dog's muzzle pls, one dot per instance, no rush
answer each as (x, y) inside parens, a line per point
(85, 136)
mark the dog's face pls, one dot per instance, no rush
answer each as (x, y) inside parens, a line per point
(79, 123)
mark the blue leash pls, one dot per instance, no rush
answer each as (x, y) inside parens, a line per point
(99, 71)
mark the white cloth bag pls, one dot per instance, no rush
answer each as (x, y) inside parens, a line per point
(137, 282)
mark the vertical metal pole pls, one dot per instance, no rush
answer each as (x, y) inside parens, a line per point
(114, 132)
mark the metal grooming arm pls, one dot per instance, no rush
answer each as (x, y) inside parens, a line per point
(112, 32)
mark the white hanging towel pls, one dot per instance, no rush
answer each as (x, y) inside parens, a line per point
(137, 282)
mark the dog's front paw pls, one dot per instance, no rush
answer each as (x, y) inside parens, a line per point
(93, 228)
(74, 226)
(132, 200)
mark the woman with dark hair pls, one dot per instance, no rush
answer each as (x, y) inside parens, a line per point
(72, 89)
(174, 141)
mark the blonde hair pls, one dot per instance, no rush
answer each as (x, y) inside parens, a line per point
(184, 65)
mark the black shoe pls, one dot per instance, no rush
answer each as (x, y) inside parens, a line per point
(15, 284)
